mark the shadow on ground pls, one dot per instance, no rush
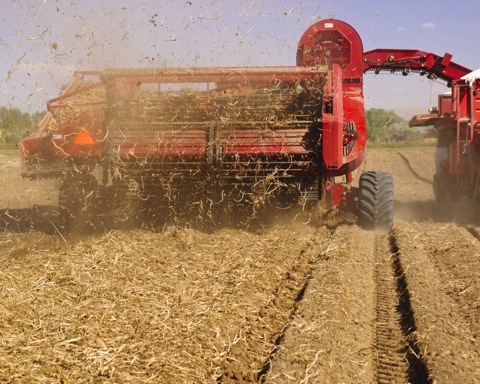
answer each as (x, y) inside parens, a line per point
(49, 219)
(39, 218)
(462, 213)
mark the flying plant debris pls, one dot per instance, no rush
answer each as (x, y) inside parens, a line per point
(197, 138)
(36, 90)
(169, 118)
(85, 94)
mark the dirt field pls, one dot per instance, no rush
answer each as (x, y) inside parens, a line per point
(291, 302)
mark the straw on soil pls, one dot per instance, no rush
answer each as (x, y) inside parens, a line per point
(178, 306)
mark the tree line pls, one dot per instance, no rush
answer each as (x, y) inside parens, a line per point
(385, 126)
(382, 126)
(15, 124)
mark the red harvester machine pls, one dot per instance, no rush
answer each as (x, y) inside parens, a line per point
(457, 117)
(206, 136)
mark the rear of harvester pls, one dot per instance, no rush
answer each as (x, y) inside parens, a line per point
(207, 139)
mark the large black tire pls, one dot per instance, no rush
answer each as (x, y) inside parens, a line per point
(375, 200)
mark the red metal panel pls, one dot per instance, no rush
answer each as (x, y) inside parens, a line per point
(332, 138)
(335, 43)
(460, 102)
(475, 94)
(445, 104)
(332, 41)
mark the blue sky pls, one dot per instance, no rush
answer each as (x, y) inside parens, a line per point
(43, 41)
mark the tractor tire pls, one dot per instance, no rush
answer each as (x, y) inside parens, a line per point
(375, 200)
(77, 199)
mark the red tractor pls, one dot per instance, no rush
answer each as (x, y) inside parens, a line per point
(214, 136)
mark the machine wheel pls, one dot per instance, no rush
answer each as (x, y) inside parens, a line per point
(375, 200)
(78, 197)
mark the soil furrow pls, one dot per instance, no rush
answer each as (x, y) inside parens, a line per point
(417, 368)
(390, 342)
(267, 365)
(239, 365)
(329, 339)
(430, 258)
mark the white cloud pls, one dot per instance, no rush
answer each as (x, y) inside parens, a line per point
(428, 24)
(400, 29)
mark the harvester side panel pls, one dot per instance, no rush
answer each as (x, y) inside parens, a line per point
(232, 133)
(337, 45)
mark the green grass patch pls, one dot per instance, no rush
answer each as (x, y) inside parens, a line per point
(8, 147)
(402, 144)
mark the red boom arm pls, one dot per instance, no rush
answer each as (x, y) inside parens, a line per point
(411, 60)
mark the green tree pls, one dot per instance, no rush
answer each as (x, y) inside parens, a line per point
(15, 124)
(36, 118)
(402, 132)
(386, 126)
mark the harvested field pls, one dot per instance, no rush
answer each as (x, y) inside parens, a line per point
(291, 301)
